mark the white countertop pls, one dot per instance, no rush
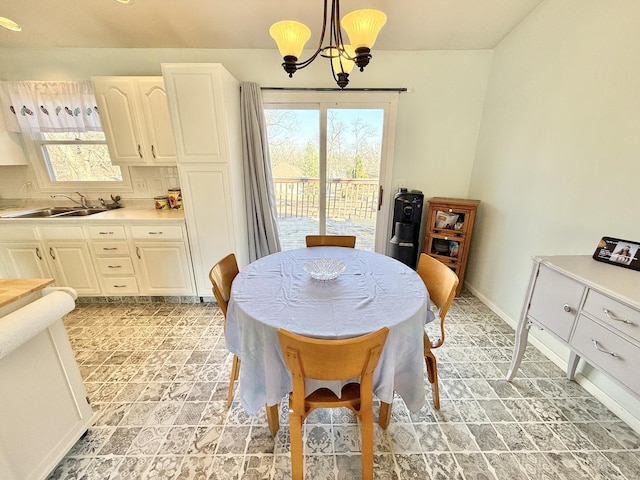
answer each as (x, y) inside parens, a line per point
(110, 216)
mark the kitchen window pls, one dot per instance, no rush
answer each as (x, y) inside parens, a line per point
(63, 137)
(67, 161)
(77, 157)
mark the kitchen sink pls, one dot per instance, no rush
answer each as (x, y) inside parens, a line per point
(55, 212)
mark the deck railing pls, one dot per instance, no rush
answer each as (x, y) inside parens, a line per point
(348, 199)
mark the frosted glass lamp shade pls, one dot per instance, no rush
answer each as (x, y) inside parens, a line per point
(363, 26)
(290, 37)
(340, 63)
(10, 24)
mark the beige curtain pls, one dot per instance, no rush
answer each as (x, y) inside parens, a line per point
(258, 180)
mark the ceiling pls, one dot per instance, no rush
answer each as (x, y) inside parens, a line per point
(225, 24)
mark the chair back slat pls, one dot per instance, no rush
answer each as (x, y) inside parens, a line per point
(441, 283)
(222, 275)
(332, 359)
(331, 241)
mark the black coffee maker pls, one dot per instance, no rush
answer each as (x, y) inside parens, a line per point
(405, 230)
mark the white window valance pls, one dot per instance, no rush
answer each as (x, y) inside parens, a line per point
(48, 106)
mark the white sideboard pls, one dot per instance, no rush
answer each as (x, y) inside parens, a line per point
(592, 307)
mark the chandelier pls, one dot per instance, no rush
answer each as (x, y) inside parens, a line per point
(362, 27)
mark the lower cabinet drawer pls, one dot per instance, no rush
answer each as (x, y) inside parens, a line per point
(110, 248)
(613, 313)
(115, 266)
(607, 351)
(105, 232)
(157, 232)
(120, 285)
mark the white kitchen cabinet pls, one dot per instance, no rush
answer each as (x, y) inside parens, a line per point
(204, 102)
(11, 147)
(45, 407)
(162, 259)
(135, 118)
(69, 256)
(113, 260)
(24, 260)
(22, 254)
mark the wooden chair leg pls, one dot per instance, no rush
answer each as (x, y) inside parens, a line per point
(235, 371)
(297, 450)
(432, 375)
(273, 418)
(385, 415)
(366, 441)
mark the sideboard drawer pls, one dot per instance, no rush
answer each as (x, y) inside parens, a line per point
(555, 302)
(613, 313)
(596, 344)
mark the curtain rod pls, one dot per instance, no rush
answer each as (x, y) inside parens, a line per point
(329, 89)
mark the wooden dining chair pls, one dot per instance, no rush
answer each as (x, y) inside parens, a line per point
(221, 276)
(331, 241)
(332, 360)
(441, 283)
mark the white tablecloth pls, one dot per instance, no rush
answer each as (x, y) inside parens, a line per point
(374, 291)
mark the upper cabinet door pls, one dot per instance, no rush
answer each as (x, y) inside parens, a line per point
(135, 119)
(117, 106)
(198, 112)
(157, 123)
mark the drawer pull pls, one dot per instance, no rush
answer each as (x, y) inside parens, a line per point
(566, 308)
(38, 254)
(105, 233)
(155, 233)
(114, 266)
(597, 345)
(108, 249)
(612, 316)
(119, 286)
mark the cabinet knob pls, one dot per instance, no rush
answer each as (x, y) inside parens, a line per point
(566, 308)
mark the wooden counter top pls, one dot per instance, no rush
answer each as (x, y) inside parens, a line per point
(12, 289)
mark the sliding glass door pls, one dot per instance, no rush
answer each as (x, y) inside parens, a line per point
(328, 161)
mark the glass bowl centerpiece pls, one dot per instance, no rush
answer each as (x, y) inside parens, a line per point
(324, 268)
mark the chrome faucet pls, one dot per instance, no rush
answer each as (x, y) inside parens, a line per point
(83, 199)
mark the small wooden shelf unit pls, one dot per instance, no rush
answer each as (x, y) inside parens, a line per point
(448, 232)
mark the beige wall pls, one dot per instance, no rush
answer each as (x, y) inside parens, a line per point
(558, 157)
(438, 119)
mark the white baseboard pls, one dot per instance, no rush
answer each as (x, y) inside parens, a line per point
(611, 403)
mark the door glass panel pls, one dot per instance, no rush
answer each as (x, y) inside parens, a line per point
(295, 161)
(344, 176)
(354, 143)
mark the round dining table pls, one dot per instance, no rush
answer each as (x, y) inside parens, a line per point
(374, 291)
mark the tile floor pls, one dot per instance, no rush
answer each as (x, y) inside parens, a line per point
(158, 374)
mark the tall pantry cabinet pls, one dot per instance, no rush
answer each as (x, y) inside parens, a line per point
(204, 104)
